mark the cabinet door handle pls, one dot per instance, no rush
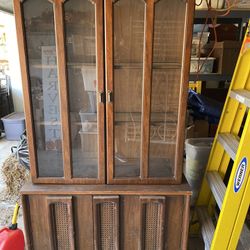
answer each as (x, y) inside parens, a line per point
(110, 96)
(101, 96)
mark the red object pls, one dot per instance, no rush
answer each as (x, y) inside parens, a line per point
(11, 239)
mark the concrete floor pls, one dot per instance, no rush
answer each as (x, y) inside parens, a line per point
(195, 243)
(6, 207)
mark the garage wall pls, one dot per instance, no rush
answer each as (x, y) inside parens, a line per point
(15, 73)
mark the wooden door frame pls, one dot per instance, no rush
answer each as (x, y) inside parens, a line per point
(183, 93)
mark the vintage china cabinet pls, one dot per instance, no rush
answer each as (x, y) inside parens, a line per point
(105, 89)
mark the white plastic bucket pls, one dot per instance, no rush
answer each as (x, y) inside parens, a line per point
(197, 154)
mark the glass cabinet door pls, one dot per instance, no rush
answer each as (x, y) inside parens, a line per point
(167, 70)
(64, 48)
(124, 86)
(39, 28)
(84, 56)
(146, 80)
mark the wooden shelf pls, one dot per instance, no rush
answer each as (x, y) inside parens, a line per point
(48, 123)
(181, 189)
(157, 65)
(116, 66)
(41, 66)
(192, 76)
(41, 33)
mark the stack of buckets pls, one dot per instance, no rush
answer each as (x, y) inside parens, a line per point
(197, 154)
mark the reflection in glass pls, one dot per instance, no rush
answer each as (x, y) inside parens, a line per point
(128, 70)
(166, 78)
(42, 59)
(168, 31)
(163, 123)
(80, 31)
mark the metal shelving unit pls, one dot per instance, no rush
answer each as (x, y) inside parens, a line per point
(209, 77)
(236, 16)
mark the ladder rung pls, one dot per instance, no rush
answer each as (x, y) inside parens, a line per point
(218, 189)
(207, 226)
(230, 143)
(217, 186)
(241, 95)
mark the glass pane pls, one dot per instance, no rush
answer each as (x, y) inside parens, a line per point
(128, 70)
(40, 37)
(167, 58)
(169, 31)
(164, 108)
(81, 65)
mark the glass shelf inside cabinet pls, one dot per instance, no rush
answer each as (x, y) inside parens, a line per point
(91, 63)
(130, 87)
(156, 65)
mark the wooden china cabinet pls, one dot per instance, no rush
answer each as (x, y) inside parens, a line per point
(105, 89)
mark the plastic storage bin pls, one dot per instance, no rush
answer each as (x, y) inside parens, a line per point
(199, 28)
(197, 153)
(14, 125)
(206, 65)
(204, 37)
(226, 54)
(89, 144)
(88, 121)
(216, 4)
(198, 43)
(240, 3)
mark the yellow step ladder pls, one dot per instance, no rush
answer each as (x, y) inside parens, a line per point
(232, 141)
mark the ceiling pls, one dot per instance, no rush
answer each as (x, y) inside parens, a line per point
(6, 6)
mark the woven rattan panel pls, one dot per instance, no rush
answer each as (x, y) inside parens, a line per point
(61, 226)
(152, 226)
(108, 224)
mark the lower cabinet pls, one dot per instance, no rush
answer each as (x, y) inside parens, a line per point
(106, 217)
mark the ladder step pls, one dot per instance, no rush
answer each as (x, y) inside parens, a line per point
(241, 95)
(207, 226)
(230, 143)
(218, 189)
(217, 186)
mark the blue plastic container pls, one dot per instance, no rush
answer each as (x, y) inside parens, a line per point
(14, 125)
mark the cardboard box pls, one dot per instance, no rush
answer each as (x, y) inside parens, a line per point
(226, 54)
(199, 129)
